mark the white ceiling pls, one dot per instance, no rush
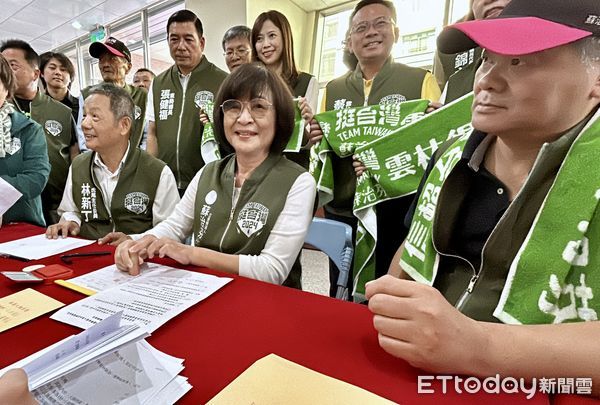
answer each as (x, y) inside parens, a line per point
(48, 24)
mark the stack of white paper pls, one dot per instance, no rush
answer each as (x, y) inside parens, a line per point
(136, 374)
(148, 300)
(107, 363)
(78, 350)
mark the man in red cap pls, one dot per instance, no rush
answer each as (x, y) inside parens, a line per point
(114, 62)
(504, 244)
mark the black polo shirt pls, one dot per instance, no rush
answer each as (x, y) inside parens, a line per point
(485, 202)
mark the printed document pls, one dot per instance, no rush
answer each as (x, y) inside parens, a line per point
(148, 300)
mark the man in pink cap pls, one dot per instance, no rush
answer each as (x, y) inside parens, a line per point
(114, 62)
(500, 273)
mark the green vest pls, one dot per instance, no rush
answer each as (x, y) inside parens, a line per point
(461, 81)
(302, 157)
(132, 200)
(58, 123)
(140, 97)
(245, 228)
(178, 127)
(394, 83)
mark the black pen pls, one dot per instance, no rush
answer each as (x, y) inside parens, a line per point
(9, 256)
(69, 257)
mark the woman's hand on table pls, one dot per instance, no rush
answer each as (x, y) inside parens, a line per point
(166, 247)
(130, 254)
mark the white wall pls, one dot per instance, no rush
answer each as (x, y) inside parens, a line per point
(217, 16)
(302, 24)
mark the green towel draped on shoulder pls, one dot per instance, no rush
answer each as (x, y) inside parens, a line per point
(395, 143)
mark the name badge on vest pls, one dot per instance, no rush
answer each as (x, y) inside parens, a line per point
(167, 101)
(53, 127)
(137, 113)
(202, 98)
(392, 99)
(341, 104)
(137, 202)
(88, 202)
(206, 214)
(252, 218)
(464, 59)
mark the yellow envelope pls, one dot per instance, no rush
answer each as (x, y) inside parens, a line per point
(23, 306)
(275, 380)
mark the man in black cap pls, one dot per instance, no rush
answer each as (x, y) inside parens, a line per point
(114, 62)
(506, 226)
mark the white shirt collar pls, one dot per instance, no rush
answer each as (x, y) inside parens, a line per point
(98, 161)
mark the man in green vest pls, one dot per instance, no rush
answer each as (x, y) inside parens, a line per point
(504, 243)
(459, 68)
(117, 189)
(54, 117)
(177, 95)
(114, 62)
(377, 79)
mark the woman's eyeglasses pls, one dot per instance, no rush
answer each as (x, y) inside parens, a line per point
(258, 107)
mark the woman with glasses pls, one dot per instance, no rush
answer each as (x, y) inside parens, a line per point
(248, 213)
(273, 45)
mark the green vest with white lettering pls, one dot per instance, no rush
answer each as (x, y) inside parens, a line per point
(140, 98)
(461, 82)
(132, 200)
(57, 121)
(394, 83)
(178, 127)
(244, 228)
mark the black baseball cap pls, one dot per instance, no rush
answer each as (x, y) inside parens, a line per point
(111, 45)
(526, 26)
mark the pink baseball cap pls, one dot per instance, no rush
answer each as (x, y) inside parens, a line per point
(111, 45)
(525, 26)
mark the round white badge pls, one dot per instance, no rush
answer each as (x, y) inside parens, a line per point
(211, 197)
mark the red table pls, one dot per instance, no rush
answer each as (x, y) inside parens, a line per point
(222, 336)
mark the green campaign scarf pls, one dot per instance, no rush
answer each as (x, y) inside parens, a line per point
(210, 149)
(395, 143)
(555, 273)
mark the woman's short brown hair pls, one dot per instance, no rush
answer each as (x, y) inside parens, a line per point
(7, 77)
(253, 80)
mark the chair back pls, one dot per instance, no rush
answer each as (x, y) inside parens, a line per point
(333, 238)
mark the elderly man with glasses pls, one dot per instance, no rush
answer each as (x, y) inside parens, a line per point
(237, 48)
(377, 79)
